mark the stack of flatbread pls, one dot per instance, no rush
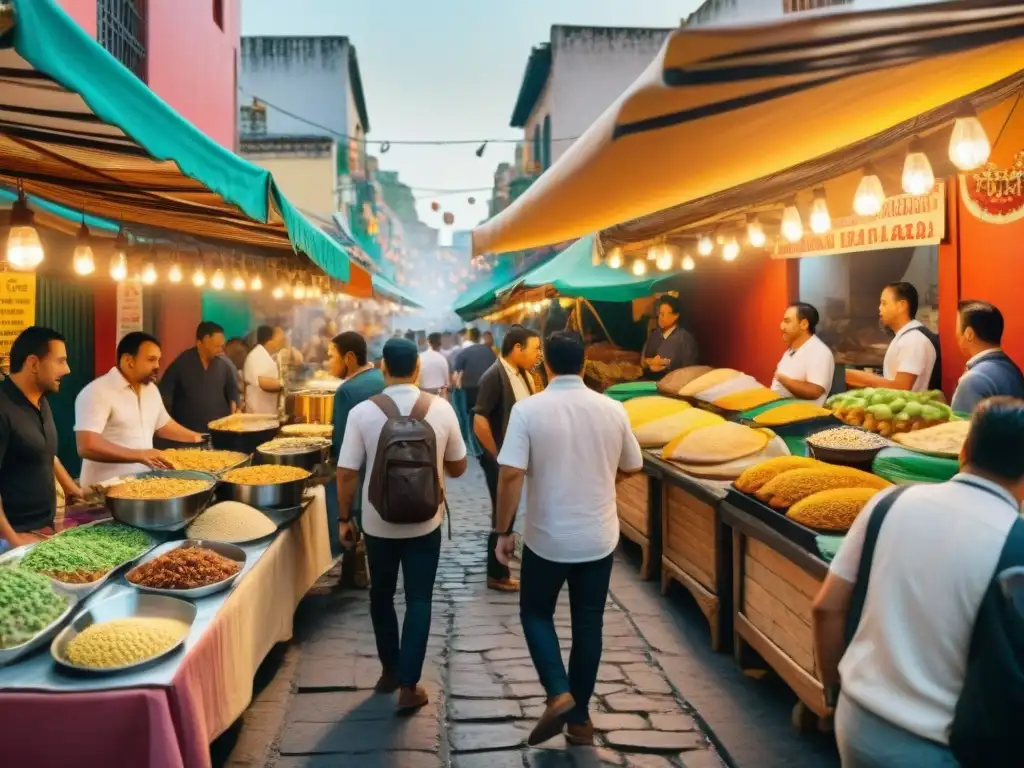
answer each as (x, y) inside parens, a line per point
(723, 450)
(942, 440)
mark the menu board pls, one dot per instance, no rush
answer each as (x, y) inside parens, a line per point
(17, 310)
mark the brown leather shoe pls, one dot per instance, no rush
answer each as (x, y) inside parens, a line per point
(503, 585)
(412, 698)
(580, 734)
(553, 719)
(387, 683)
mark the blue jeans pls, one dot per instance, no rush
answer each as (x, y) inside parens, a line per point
(463, 409)
(541, 582)
(867, 741)
(402, 655)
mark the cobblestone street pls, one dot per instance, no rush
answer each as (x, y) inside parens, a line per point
(484, 691)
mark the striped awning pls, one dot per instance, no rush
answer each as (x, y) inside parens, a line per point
(723, 110)
(80, 130)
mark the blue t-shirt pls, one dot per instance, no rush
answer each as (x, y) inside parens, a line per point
(992, 375)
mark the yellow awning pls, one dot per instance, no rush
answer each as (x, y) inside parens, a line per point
(722, 107)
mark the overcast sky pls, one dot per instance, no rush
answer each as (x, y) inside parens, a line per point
(448, 69)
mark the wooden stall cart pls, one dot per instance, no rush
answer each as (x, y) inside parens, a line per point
(696, 552)
(775, 581)
(638, 501)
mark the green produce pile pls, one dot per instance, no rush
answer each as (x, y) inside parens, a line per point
(890, 411)
(28, 605)
(85, 554)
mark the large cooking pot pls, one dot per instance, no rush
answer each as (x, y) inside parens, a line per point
(244, 440)
(310, 406)
(163, 514)
(313, 459)
(275, 496)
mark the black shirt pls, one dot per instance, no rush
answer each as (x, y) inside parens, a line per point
(28, 447)
(196, 395)
(495, 399)
(472, 362)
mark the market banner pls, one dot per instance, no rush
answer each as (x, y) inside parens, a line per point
(994, 194)
(905, 221)
(129, 309)
(17, 310)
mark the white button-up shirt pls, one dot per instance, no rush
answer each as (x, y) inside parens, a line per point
(571, 441)
(520, 388)
(433, 370)
(258, 364)
(812, 362)
(910, 352)
(109, 407)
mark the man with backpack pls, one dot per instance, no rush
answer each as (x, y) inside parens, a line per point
(912, 617)
(407, 439)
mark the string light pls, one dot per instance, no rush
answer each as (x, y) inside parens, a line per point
(665, 259)
(918, 177)
(704, 245)
(149, 273)
(24, 249)
(199, 278)
(237, 282)
(615, 258)
(688, 263)
(256, 284)
(82, 260)
(731, 249)
(174, 273)
(299, 290)
(870, 196)
(755, 233)
(119, 266)
(278, 292)
(217, 281)
(792, 226)
(639, 267)
(821, 220)
(969, 147)
(653, 252)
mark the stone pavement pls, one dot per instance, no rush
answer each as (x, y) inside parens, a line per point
(484, 690)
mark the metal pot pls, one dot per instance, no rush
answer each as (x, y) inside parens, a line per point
(310, 406)
(310, 459)
(243, 442)
(275, 496)
(163, 514)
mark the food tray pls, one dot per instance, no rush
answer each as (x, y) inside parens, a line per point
(81, 591)
(126, 605)
(230, 551)
(799, 534)
(163, 515)
(859, 458)
(11, 655)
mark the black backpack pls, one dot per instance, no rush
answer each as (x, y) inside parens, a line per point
(987, 721)
(405, 486)
(935, 382)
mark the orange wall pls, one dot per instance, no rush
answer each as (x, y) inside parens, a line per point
(181, 310)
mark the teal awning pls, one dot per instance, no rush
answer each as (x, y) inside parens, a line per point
(81, 131)
(385, 286)
(60, 217)
(480, 296)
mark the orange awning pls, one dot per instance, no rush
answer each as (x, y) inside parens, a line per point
(722, 107)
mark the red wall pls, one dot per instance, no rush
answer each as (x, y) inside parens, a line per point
(181, 310)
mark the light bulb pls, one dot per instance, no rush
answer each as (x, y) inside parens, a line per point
(688, 263)
(654, 252)
(969, 147)
(704, 245)
(792, 227)
(314, 291)
(24, 249)
(755, 233)
(918, 177)
(237, 282)
(639, 267)
(731, 249)
(665, 259)
(174, 273)
(82, 260)
(256, 284)
(870, 196)
(199, 278)
(217, 281)
(299, 291)
(278, 293)
(615, 258)
(821, 221)
(149, 273)
(119, 266)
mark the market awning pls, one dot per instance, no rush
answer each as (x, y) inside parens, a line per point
(80, 130)
(721, 107)
(382, 285)
(479, 297)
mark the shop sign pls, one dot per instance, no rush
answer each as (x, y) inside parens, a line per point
(129, 308)
(17, 309)
(905, 221)
(994, 194)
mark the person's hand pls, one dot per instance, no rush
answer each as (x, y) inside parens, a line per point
(346, 533)
(75, 496)
(23, 540)
(505, 549)
(657, 365)
(154, 459)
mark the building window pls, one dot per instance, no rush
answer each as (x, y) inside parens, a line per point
(537, 155)
(547, 142)
(121, 28)
(218, 13)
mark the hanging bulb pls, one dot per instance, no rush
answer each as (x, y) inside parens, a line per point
(731, 249)
(755, 233)
(639, 267)
(24, 249)
(665, 259)
(119, 266)
(299, 291)
(199, 278)
(278, 292)
(237, 282)
(688, 263)
(704, 245)
(256, 284)
(174, 273)
(821, 221)
(792, 227)
(82, 260)
(314, 290)
(918, 177)
(615, 258)
(870, 196)
(149, 273)
(653, 252)
(217, 281)
(969, 146)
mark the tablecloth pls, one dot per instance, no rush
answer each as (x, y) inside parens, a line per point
(171, 712)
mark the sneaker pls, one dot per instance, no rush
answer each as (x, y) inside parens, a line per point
(411, 698)
(387, 683)
(580, 734)
(503, 585)
(553, 719)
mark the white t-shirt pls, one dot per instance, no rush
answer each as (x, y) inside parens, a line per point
(365, 422)
(935, 557)
(910, 352)
(258, 364)
(570, 441)
(433, 370)
(812, 362)
(109, 407)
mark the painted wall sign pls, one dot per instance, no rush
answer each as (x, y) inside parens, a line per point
(17, 309)
(905, 221)
(129, 308)
(994, 194)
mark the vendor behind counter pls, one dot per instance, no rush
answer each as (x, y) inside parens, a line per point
(669, 347)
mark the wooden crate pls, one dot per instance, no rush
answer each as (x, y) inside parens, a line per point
(691, 553)
(632, 497)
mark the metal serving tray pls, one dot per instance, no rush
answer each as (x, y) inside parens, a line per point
(126, 605)
(11, 655)
(229, 551)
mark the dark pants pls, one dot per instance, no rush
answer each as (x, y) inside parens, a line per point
(402, 656)
(489, 464)
(469, 395)
(541, 581)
